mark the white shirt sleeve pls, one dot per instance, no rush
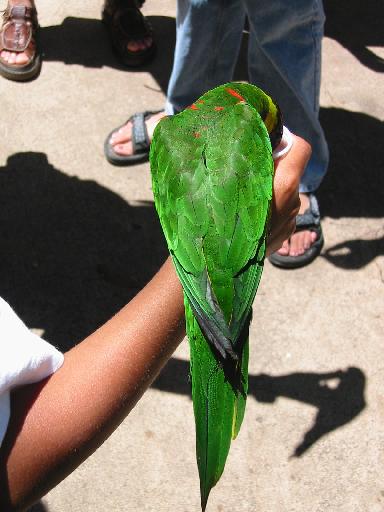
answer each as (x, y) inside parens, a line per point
(24, 358)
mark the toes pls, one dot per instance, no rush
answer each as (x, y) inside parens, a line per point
(308, 239)
(296, 246)
(300, 242)
(12, 58)
(121, 139)
(134, 46)
(123, 149)
(122, 135)
(140, 44)
(21, 58)
(284, 249)
(4, 56)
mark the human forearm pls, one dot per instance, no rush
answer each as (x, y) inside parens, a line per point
(58, 423)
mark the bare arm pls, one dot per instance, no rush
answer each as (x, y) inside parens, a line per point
(59, 422)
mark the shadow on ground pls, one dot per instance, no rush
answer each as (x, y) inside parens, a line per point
(338, 396)
(354, 184)
(39, 507)
(357, 26)
(85, 42)
(73, 252)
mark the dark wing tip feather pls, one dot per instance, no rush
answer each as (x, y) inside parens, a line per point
(216, 338)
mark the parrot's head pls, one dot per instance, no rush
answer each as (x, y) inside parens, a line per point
(232, 93)
(274, 124)
(268, 109)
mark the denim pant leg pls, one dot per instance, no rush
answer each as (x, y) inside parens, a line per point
(208, 40)
(284, 60)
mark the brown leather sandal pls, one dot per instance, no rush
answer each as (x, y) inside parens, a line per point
(19, 29)
(125, 23)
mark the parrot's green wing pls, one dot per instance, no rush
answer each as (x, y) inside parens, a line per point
(213, 206)
(212, 183)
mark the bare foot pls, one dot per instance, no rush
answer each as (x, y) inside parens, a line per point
(121, 140)
(19, 58)
(300, 241)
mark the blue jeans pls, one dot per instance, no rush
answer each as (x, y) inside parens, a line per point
(284, 59)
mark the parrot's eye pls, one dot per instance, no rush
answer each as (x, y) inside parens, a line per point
(277, 131)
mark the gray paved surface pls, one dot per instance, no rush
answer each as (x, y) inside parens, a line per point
(80, 237)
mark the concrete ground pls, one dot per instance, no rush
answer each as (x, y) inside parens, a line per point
(80, 237)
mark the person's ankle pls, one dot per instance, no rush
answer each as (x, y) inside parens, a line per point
(304, 202)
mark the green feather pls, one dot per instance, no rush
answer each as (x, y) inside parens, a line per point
(212, 172)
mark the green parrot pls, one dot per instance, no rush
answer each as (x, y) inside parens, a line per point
(212, 172)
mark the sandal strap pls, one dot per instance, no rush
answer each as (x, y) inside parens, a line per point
(311, 217)
(131, 24)
(19, 25)
(112, 5)
(140, 139)
(126, 22)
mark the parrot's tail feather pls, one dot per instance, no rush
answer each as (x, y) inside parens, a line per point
(215, 337)
(204, 501)
(219, 391)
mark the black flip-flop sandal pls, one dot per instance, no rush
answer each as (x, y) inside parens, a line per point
(307, 221)
(140, 141)
(125, 22)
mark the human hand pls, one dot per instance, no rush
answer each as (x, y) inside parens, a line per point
(285, 201)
